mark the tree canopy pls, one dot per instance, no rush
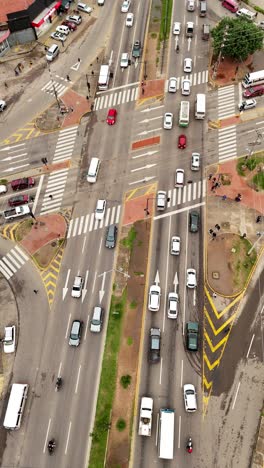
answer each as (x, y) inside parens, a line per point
(237, 38)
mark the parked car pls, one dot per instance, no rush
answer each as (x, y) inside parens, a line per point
(100, 209)
(154, 298)
(249, 104)
(154, 345)
(97, 319)
(189, 395)
(129, 20)
(168, 121)
(194, 221)
(21, 184)
(191, 278)
(125, 6)
(10, 339)
(18, 200)
(58, 36)
(3, 189)
(192, 336)
(83, 7)
(182, 141)
(173, 300)
(253, 91)
(72, 26)
(172, 86)
(63, 29)
(75, 333)
(111, 116)
(77, 19)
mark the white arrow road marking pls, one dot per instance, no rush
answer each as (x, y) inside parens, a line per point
(149, 153)
(157, 280)
(194, 297)
(76, 66)
(189, 43)
(11, 169)
(149, 120)
(176, 42)
(150, 131)
(151, 108)
(146, 179)
(136, 63)
(7, 148)
(111, 58)
(176, 282)
(102, 291)
(13, 157)
(65, 289)
(144, 167)
(84, 291)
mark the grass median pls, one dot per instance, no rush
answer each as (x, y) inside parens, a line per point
(107, 382)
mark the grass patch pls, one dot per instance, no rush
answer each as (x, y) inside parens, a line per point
(23, 229)
(140, 243)
(125, 380)
(258, 9)
(258, 180)
(153, 35)
(133, 305)
(165, 19)
(3, 182)
(107, 382)
(129, 340)
(242, 263)
(138, 273)
(121, 424)
(249, 164)
(128, 242)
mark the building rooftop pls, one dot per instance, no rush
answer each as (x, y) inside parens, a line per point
(11, 6)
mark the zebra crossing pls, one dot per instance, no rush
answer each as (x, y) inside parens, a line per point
(54, 88)
(88, 223)
(195, 79)
(226, 102)
(186, 194)
(227, 143)
(65, 144)
(115, 99)
(54, 191)
(12, 262)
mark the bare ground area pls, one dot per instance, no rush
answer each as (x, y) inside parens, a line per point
(123, 407)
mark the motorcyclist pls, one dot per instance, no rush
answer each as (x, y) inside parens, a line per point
(51, 445)
(58, 383)
(177, 48)
(189, 446)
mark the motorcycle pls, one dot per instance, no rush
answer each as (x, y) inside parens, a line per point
(51, 446)
(189, 445)
(177, 49)
(58, 383)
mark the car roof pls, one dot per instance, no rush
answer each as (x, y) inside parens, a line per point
(97, 312)
(100, 204)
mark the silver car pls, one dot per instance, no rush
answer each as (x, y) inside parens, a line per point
(97, 320)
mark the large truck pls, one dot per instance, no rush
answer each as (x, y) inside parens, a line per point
(145, 418)
(16, 212)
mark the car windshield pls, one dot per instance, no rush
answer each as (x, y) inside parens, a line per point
(74, 336)
(95, 322)
(76, 288)
(155, 343)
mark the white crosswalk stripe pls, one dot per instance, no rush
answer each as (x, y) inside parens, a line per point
(65, 144)
(187, 193)
(54, 191)
(227, 143)
(12, 262)
(195, 79)
(116, 98)
(54, 88)
(226, 101)
(88, 222)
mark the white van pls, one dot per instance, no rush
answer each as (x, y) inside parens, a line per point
(93, 170)
(247, 13)
(52, 52)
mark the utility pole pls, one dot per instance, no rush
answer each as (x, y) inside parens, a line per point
(54, 89)
(216, 65)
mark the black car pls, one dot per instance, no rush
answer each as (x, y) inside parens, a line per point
(194, 221)
(111, 235)
(154, 345)
(192, 336)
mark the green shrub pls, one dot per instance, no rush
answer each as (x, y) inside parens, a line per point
(121, 424)
(125, 380)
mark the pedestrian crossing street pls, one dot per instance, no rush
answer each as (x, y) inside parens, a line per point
(195, 79)
(226, 102)
(12, 262)
(65, 144)
(227, 143)
(116, 98)
(88, 223)
(54, 191)
(187, 193)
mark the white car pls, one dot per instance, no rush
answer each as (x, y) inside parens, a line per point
(168, 121)
(125, 6)
(172, 87)
(176, 28)
(175, 245)
(129, 20)
(189, 395)
(10, 339)
(58, 36)
(77, 287)
(2, 105)
(3, 189)
(173, 300)
(77, 19)
(100, 209)
(195, 164)
(83, 7)
(248, 104)
(191, 278)
(154, 298)
(187, 65)
(124, 60)
(186, 87)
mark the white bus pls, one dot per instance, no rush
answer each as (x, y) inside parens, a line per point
(253, 79)
(184, 114)
(166, 434)
(200, 106)
(15, 407)
(104, 77)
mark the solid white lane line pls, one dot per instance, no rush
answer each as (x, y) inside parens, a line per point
(47, 435)
(86, 328)
(233, 406)
(68, 326)
(160, 371)
(95, 277)
(78, 378)
(251, 342)
(37, 194)
(179, 435)
(84, 242)
(68, 438)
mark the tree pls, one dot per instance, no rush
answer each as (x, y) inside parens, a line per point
(237, 38)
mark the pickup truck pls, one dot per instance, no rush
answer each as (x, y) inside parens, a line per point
(17, 212)
(136, 51)
(145, 418)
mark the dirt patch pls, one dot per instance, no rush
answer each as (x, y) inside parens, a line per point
(45, 255)
(119, 441)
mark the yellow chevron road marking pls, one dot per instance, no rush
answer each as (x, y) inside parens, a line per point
(215, 348)
(210, 365)
(223, 325)
(226, 309)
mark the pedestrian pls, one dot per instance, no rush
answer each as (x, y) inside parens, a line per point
(224, 197)
(237, 199)
(214, 179)
(214, 295)
(217, 185)
(217, 227)
(68, 78)
(71, 109)
(35, 291)
(6, 85)
(189, 181)
(244, 235)
(142, 83)
(210, 176)
(211, 231)
(143, 91)
(97, 59)
(92, 107)
(214, 235)
(227, 329)
(92, 72)
(79, 60)
(50, 197)
(87, 97)
(212, 188)
(258, 219)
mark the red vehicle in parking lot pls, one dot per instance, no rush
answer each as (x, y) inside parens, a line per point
(254, 91)
(21, 184)
(182, 141)
(71, 26)
(18, 200)
(111, 116)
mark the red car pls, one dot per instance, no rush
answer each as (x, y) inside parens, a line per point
(18, 200)
(254, 91)
(182, 141)
(71, 26)
(21, 184)
(111, 116)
